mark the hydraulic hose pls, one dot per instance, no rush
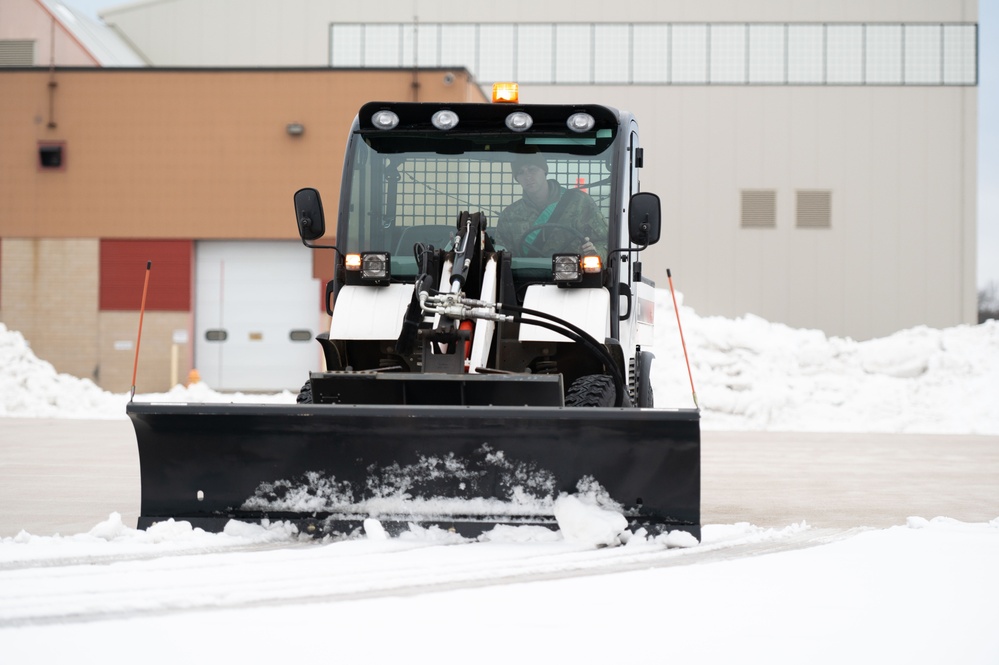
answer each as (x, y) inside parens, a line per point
(578, 335)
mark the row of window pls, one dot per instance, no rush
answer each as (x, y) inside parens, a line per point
(813, 209)
(672, 53)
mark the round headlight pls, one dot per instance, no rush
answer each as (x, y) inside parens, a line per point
(384, 119)
(580, 122)
(445, 120)
(519, 121)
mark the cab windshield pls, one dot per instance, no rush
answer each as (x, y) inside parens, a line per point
(411, 190)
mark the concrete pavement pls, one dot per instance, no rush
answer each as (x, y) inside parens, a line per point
(65, 476)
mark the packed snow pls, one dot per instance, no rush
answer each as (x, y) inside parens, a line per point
(589, 592)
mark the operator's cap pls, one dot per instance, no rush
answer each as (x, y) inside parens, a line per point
(528, 159)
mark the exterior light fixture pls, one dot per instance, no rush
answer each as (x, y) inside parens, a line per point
(581, 122)
(519, 121)
(385, 120)
(445, 120)
(295, 129)
(565, 268)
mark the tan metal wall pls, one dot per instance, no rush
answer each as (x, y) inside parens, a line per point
(182, 154)
(200, 154)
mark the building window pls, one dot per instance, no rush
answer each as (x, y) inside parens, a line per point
(672, 53)
(52, 156)
(814, 209)
(759, 209)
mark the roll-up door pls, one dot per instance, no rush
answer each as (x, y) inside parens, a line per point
(255, 315)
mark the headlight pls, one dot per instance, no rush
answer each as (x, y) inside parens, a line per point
(375, 266)
(580, 122)
(519, 121)
(385, 120)
(565, 268)
(445, 120)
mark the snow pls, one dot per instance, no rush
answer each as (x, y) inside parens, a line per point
(921, 592)
(748, 373)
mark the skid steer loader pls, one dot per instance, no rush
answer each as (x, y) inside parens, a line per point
(473, 373)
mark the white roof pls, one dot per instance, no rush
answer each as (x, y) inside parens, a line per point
(103, 43)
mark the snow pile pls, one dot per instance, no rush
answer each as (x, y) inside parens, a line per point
(112, 538)
(749, 373)
(32, 387)
(588, 523)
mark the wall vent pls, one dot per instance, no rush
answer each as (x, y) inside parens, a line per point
(759, 209)
(814, 209)
(17, 53)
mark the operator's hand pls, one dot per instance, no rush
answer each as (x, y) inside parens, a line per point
(588, 247)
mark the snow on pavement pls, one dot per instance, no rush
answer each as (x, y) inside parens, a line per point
(917, 593)
(922, 592)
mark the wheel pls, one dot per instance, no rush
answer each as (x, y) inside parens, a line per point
(305, 394)
(534, 249)
(643, 380)
(591, 390)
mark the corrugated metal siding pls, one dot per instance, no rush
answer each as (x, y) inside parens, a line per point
(123, 268)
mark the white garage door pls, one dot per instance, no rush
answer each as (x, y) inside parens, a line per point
(256, 315)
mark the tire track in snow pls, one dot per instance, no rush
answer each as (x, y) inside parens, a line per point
(337, 572)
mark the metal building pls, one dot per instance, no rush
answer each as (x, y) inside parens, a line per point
(817, 160)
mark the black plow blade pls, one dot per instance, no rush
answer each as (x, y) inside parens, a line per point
(329, 467)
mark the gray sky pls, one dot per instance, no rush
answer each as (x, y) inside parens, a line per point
(988, 131)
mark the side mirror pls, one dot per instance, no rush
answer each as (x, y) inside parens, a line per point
(644, 219)
(309, 213)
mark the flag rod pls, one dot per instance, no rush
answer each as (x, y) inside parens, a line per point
(138, 338)
(676, 309)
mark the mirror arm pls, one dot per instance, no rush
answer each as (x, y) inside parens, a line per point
(333, 247)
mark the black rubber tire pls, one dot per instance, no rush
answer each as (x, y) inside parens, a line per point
(591, 390)
(643, 389)
(305, 394)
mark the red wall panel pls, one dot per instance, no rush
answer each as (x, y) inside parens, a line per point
(123, 271)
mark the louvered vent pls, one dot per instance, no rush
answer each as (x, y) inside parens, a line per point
(759, 208)
(814, 209)
(17, 53)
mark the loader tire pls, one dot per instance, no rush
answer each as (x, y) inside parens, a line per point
(305, 394)
(591, 390)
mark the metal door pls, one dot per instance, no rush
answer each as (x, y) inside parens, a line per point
(256, 315)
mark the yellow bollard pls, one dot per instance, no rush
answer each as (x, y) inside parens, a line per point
(193, 377)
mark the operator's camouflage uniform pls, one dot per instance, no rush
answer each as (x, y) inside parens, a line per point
(579, 213)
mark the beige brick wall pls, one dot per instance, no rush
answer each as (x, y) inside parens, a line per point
(164, 360)
(50, 289)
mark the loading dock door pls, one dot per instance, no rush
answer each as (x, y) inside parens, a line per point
(256, 315)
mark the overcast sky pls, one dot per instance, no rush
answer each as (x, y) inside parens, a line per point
(988, 130)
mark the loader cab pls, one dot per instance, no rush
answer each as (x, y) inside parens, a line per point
(413, 171)
(406, 180)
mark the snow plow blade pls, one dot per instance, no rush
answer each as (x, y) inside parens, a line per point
(327, 468)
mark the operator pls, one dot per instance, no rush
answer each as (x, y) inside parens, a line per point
(573, 220)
